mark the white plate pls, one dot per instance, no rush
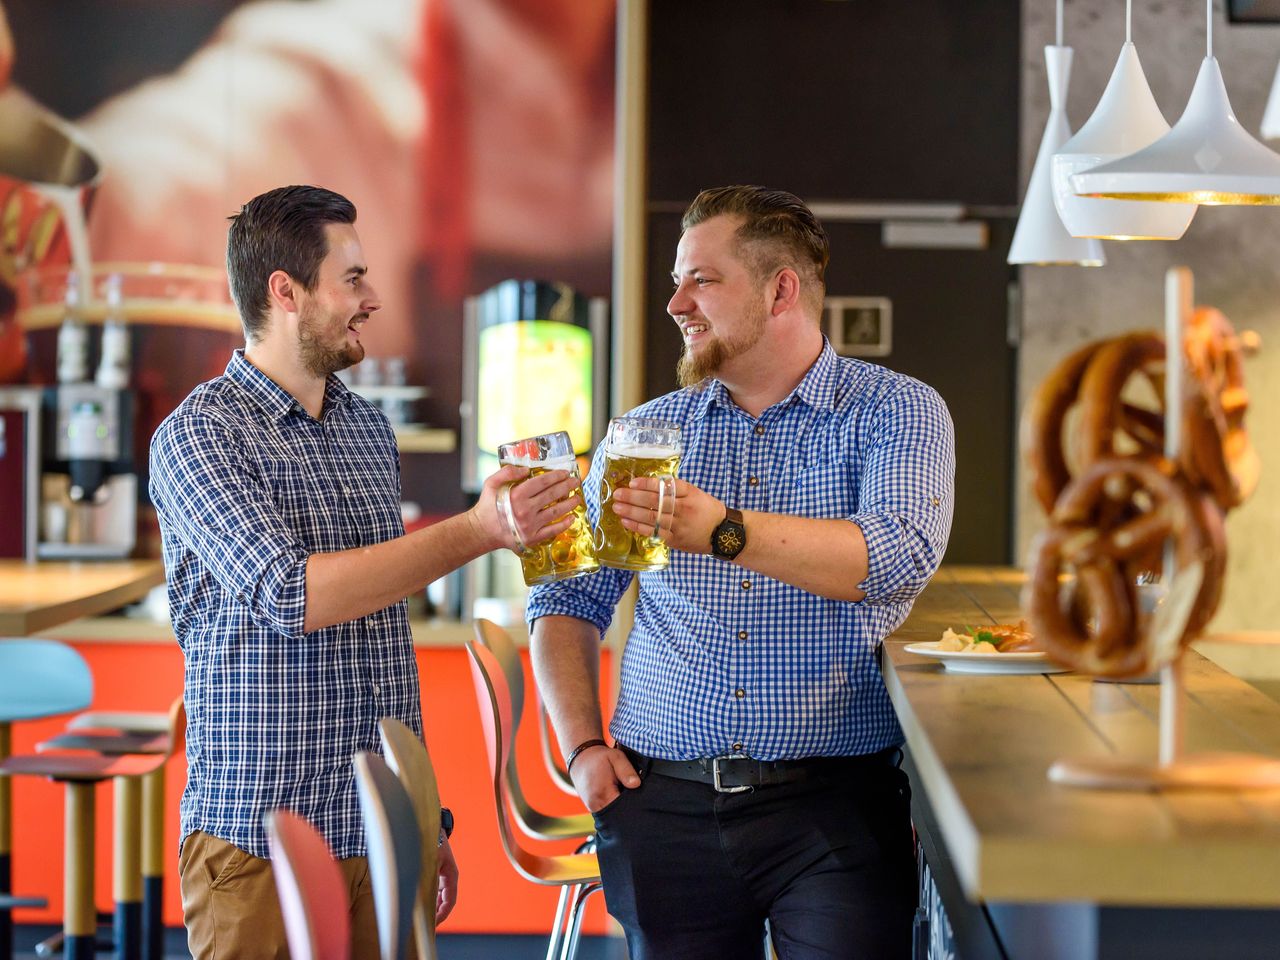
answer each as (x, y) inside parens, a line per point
(959, 662)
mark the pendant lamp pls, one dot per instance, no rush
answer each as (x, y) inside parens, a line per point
(1125, 120)
(1207, 157)
(1040, 237)
(1271, 116)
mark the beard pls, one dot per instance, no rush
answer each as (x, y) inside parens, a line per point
(693, 369)
(322, 358)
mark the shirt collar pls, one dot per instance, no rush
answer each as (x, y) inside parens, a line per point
(817, 388)
(275, 401)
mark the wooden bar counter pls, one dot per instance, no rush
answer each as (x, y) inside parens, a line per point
(36, 596)
(1030, 855)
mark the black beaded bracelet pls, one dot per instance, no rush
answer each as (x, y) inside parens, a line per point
(584, 745)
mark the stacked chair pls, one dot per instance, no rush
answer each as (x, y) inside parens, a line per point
(400, 808)
(578, 874)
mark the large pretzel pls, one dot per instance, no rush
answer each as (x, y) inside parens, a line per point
(1218, 453)
(1107, 526)
(1042, 422)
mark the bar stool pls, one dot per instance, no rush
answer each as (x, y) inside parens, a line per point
(395, 851)
(138, 883)
(38, 679)
(154, 853)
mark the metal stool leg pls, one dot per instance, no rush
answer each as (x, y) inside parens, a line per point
(80, 920)
(153, 859)
(575, 920)
(567, 892)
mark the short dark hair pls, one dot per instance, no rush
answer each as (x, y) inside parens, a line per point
(777, 231)
(282, 229)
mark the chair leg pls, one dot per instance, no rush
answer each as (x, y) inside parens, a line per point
(6, 837)
(80, 920)
(557, 927)
(153, 858)
(575, 920)
(128, 868)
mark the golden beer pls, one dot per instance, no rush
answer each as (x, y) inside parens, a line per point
(635, 448)
(571, 553)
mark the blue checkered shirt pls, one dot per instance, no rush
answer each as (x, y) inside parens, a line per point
(247, 485)
(721, 656)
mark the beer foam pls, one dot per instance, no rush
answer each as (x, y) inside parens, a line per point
(641, 452)
(560, 463)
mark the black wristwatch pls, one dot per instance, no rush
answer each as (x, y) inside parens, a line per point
(728, 539)
(446, 825)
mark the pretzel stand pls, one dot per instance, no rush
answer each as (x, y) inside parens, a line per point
(1175, 770)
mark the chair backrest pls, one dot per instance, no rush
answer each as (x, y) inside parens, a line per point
(499, 643)
(494, 702)
(409, 760)
(41, 678)
(313, 894)
(395, 851)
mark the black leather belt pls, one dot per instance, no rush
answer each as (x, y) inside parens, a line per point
(737, 772)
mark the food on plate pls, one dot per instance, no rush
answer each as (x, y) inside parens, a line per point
(991, 638)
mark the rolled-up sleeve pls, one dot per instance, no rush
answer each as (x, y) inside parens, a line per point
(209, 497)
(906, 493)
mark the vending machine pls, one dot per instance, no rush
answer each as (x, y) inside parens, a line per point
(535, 361)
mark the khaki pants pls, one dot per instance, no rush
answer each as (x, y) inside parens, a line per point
(231, 909)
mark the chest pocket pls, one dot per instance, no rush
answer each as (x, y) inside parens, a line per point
(822, 488)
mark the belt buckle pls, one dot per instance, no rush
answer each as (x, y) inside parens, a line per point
(715, 774)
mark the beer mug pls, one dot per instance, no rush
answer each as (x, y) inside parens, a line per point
(635, 447)
(570, 553)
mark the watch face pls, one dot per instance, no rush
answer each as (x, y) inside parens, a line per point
(729, 540)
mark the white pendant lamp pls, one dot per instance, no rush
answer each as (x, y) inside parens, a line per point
(1207, 157)
(1040, 237)
(1125, 120)
(1271, 116)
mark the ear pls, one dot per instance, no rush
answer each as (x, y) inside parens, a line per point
(283, 291)
(785, 291)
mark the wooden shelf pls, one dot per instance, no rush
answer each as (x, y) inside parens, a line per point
(416, 439)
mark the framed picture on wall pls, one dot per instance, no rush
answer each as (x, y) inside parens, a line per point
(1253, 11)
(860, 326)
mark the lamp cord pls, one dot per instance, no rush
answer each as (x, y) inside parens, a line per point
(1128, 21)
(1059, 22)
(1208, 23)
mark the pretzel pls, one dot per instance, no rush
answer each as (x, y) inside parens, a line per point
(1217, 452)
(1107, 527)
(1104, 412)
(1041, 431)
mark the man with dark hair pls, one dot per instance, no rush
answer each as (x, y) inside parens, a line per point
(278, 495)
(754, 774)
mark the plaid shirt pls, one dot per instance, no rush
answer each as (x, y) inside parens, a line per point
(722, 658)
(247, 486)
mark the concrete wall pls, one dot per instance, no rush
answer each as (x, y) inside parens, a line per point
(1233, 251)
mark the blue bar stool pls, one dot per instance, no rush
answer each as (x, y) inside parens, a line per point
(38, 679)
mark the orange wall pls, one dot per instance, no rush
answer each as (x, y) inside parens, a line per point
(149, 676)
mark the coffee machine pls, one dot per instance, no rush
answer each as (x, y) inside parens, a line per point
(89, 490)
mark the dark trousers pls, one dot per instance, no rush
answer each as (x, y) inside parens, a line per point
(691, 873)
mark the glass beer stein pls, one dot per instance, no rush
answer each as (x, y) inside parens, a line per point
(635, 447)
(571, 552)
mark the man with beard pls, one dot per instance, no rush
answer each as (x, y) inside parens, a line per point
(754, 774)
(278, 495)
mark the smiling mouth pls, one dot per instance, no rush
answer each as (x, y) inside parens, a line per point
(691, 330)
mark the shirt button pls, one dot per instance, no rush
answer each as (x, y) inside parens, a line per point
(746, 584)
(936, 501)
(737, 748)
(742, 634)
(739, 693)
(753, 481)
(759, 429)
(377, 690)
